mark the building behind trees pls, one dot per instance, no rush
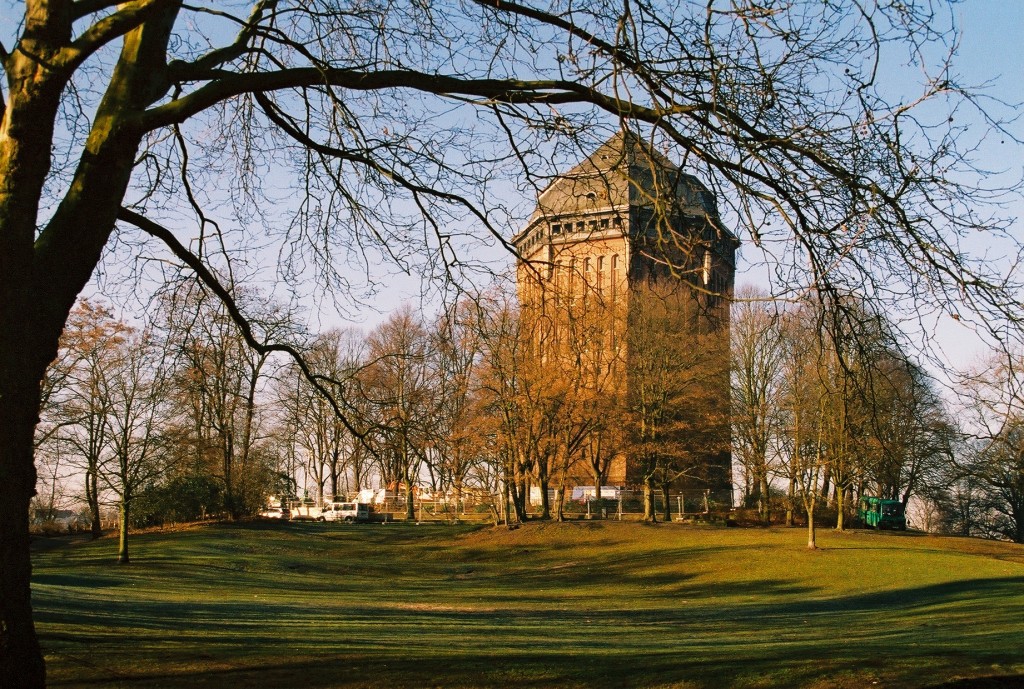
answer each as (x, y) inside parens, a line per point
(625, 276)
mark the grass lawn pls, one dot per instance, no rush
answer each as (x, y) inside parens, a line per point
(584, 604)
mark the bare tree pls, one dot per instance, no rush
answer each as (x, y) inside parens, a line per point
(92, 344)
(398, 388)
(995, 459)
(504, 404)
(454, 360)
(806, 408)
(134, 391)
(218, 378)
(757, 388)
(912, 435)
(328, 445)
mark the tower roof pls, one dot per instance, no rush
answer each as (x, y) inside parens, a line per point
(625, 171)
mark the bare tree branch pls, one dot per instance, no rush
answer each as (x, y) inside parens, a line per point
(207, 277)
(130, 16)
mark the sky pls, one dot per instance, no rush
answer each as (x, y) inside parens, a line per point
(990, 53)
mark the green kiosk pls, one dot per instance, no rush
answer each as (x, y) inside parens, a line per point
(877, 513)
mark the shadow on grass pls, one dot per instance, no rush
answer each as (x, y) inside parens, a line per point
(299, 605)
(210, 643)
(472, 670)
(1001, 682)
(976, 590)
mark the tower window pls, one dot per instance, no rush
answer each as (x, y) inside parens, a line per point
(615, 274)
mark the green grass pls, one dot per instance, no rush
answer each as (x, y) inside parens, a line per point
(584, 604)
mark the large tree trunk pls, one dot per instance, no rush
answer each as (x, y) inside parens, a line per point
(545, 503)
(27, 128)
(667, 507)
(21, 661)
(26, 132)
(41, 273)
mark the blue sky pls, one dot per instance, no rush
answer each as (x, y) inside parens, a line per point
(991, 51)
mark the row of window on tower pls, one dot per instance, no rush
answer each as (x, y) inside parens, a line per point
(570, 226)
(593, 225)
(595, 273)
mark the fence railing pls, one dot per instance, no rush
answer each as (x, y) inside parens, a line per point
(629, 506)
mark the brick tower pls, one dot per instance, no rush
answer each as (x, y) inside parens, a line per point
(625, 262)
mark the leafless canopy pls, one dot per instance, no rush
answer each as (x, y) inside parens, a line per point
(318, 139)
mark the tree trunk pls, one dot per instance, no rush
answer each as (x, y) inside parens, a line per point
(764, 505)
(545, 504)
(227, 466)
(41, 272)
(33, 97)
(599, 514)
(122, 540)
(650, 509)
(812, 542)
(790, 501)
(335, 462)
(519, 500)
(840, 508)
(506, 502)
(410, 502)
(21, 661)
(458, 500)
(667, 507)
(93, 499)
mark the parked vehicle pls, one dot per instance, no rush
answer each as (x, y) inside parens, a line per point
(345, 511)
(305, 510)
(275, 513)
(876, 513)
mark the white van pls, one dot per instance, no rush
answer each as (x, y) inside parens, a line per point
(345, 512)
